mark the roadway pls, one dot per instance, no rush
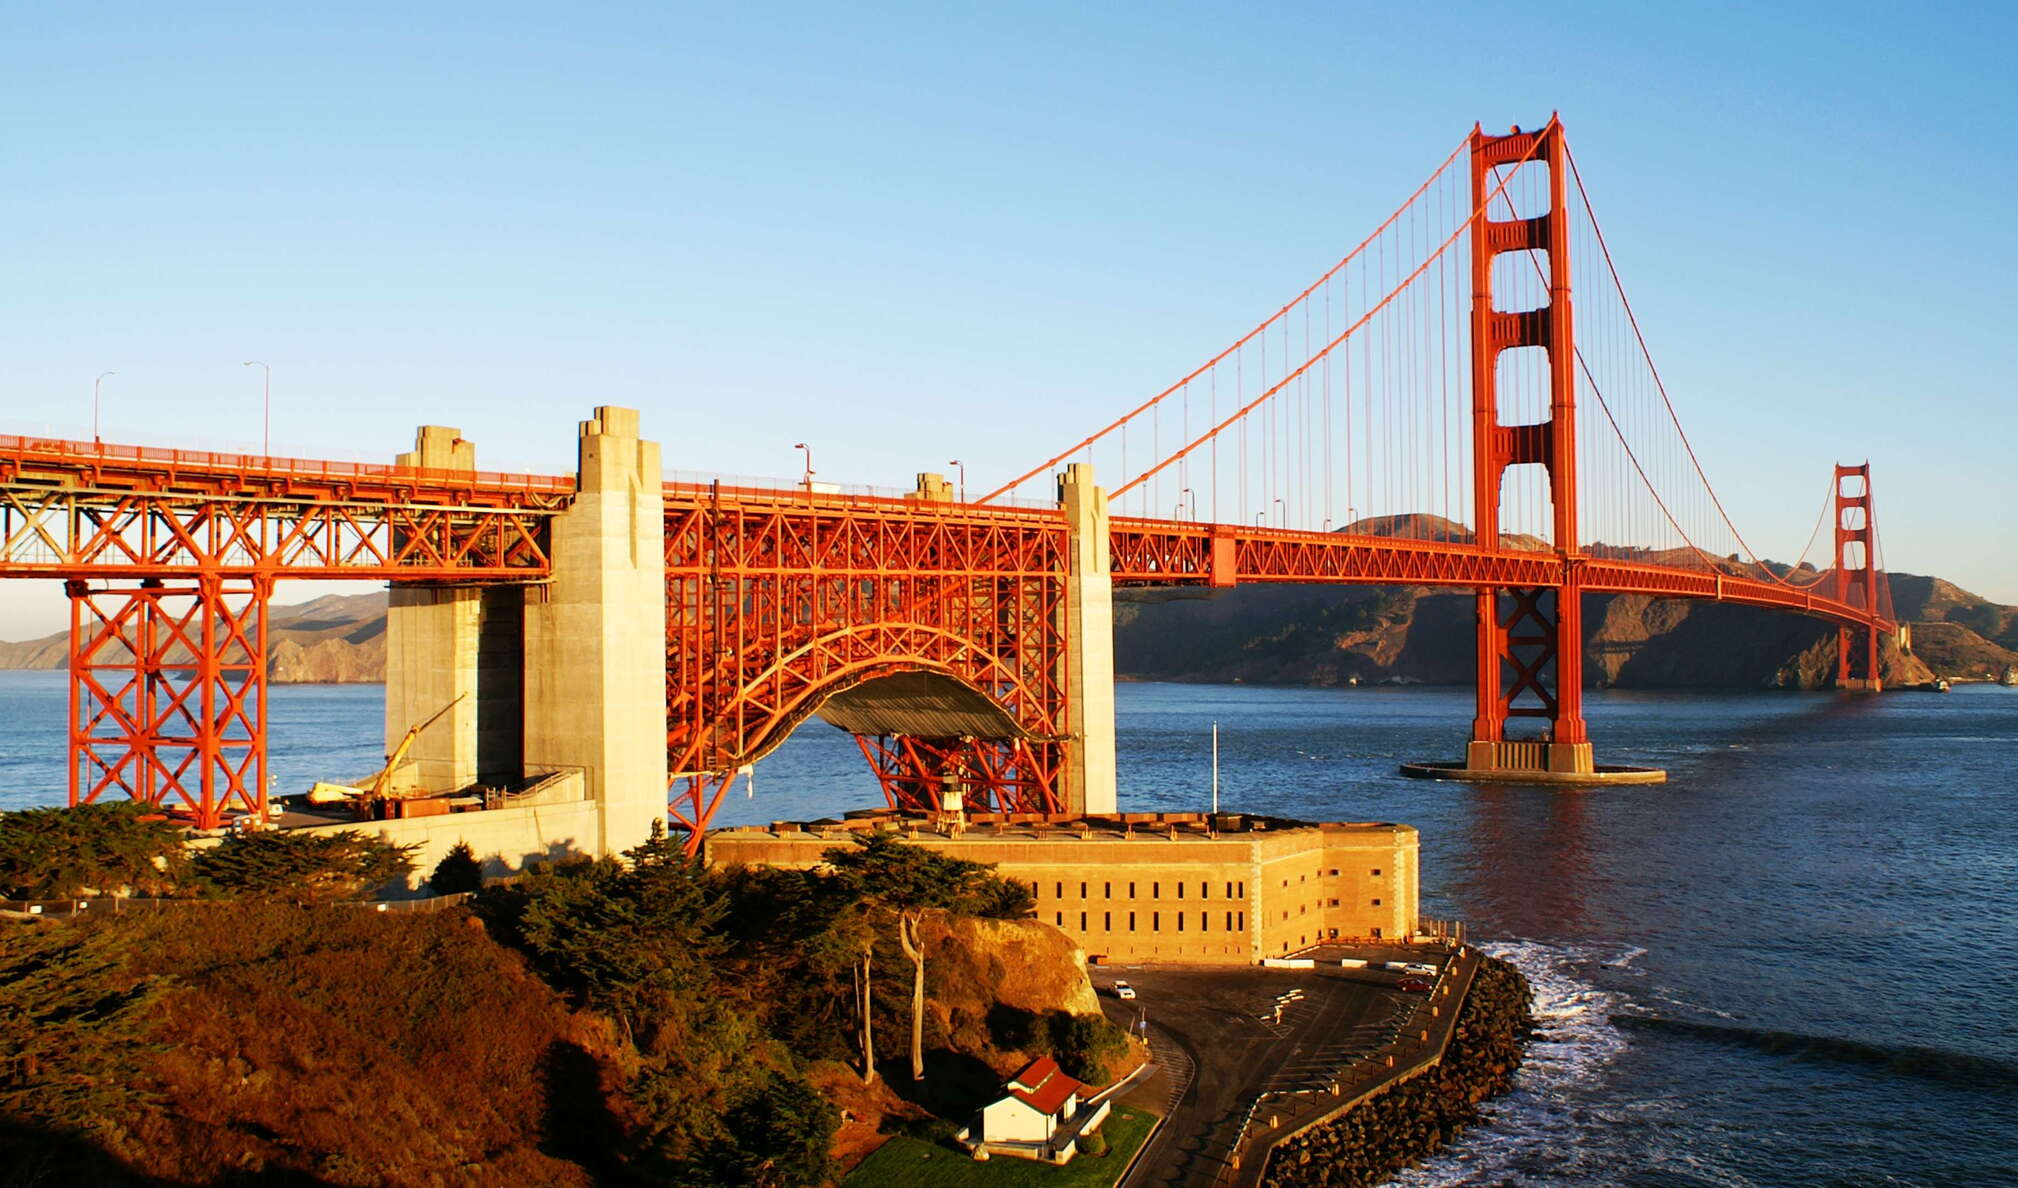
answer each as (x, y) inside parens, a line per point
(1216, 1034)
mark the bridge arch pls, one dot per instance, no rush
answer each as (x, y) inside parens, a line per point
(930, 707)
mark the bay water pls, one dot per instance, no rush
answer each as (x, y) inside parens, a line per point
(1795, 963)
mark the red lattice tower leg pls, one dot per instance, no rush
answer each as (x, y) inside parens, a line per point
(991, 775)
(168, 696)
(1856, 578)
(1530, 641)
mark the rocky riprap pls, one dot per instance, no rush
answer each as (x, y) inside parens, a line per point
(1417, 1118)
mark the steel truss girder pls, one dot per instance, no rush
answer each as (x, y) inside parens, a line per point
(87, 534)
(774, 604)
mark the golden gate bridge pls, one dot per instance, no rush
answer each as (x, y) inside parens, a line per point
(1466, 399)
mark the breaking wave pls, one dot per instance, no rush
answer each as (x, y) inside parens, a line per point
(1528, 1135)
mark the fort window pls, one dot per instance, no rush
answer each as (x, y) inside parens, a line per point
(1334, 872)
(1243, 889)
(1334, 903)
(1205, 921)
(1376, 903)
(1061, 919)
(1061, 890)
(1156, 890)
(1376, 872)
(1082, 890)
(1131, 921)
(1180, 889)
(1106, 890)
(1082, 921)
(1204, 889)
(1229, 890)
(1229, 921)
(1180, 921)
(1107, 921)
(1156, 921)
(1243, 919)
(1131, 890)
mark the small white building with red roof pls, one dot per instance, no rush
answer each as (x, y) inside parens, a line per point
(1041, 1115)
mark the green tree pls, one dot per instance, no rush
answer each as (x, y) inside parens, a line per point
(457, 871)
(1085, 1045)
(904, 882)
(305, 867)
(56, 853)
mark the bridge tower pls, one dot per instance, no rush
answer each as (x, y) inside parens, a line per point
(1856, 578)
(1530, 641)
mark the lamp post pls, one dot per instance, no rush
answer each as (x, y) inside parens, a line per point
(94, 404)
(266, 435)
(963, 477)
(809, 464)
(1281, 515)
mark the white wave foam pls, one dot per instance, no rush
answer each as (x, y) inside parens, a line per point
(1627, 958)
(1574, 1042)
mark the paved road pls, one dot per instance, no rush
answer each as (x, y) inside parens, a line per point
(1224, 1024)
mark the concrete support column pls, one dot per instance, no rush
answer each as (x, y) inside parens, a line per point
(431, 652)
(595, 636)
(1089, 645)
(430, 661)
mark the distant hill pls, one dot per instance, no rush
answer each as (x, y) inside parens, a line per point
(1301, 635)
(337, 639)
(1325, 635)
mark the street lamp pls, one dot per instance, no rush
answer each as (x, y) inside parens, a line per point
(266, 440)
(94, 404)
(963, 477)
(1281, 515)
(809, 463)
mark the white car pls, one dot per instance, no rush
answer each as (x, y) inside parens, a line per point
(1123, 990)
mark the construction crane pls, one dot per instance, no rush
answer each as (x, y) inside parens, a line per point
(379, 784)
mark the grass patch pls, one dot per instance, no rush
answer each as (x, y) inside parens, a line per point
(904, 1162)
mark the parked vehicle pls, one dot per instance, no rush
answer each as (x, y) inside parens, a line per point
(1415, 985)
(1123, 990)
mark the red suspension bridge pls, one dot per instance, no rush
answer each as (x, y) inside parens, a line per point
(1465, 399)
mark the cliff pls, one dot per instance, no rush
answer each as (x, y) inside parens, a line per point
(338, 639)
(1329, 635)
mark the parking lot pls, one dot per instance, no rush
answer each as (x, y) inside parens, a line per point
(1241, 1032)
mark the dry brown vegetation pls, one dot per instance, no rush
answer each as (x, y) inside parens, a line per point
(306, 1044)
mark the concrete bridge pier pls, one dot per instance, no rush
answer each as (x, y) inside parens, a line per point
(562, 684)
(595, 636)
(431, 634)
(1089, 645)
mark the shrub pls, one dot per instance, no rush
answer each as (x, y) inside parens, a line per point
(1094, 1144)
(1085, 1045)
(299, 866)
(457, 871)
(55, 853)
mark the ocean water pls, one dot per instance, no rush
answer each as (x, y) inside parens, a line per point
(1795, 963)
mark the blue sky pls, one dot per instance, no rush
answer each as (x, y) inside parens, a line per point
(910, 233)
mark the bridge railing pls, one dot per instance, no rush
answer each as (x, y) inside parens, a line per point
(87, 453)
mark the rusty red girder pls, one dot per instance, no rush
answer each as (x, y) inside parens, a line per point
(777, 600)
(75, 510)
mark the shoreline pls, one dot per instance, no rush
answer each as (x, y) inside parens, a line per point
(1409, 1119)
